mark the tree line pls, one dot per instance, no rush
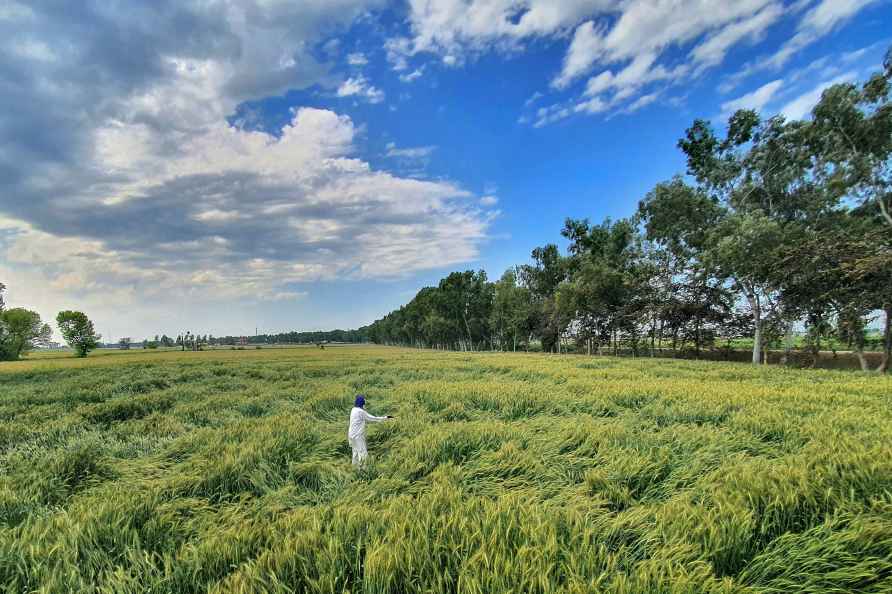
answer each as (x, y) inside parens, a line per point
(778, 226)
(190, 341)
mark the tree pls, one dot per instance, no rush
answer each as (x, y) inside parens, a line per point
(20, 331)
(597, 299)
(78, 331)
(760, 182)
(686, 298)
(467, 299)
(542, 278)
(511, 310)
(851, 138)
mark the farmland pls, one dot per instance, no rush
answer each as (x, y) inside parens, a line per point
(229, 471)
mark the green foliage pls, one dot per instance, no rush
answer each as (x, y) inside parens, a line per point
(229, 471)
(20, 331)
(78, 331)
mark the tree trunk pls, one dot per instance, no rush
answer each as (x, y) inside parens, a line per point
(697, 338)
(887, 341)
(753, 300)
(653, 335)
(468, 328)
(862, 360)
(788, 344)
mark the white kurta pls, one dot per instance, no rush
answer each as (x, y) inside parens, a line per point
(356, 433)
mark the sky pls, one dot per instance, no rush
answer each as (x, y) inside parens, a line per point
(221, 166)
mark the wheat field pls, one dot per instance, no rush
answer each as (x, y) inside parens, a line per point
(229, 471)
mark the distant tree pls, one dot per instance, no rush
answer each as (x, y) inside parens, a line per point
(78, 331)
(20, 331)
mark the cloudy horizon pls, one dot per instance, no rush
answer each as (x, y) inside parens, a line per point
(221, 166)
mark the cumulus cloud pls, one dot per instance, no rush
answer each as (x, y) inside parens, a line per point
(125, 183)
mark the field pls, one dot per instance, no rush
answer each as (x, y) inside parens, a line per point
(229, 471)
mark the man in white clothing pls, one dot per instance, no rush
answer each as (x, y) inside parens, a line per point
(356, 432)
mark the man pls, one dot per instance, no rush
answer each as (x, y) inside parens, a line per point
(356, 432)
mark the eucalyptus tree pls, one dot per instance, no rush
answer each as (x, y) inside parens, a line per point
(760, 182)
(851, 138)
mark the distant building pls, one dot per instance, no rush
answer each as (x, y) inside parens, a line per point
(124, 344)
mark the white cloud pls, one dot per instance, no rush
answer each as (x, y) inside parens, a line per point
(755, 100)
(712, 51)
(418, 152)
(359, 87)
(822, 19)
(136, 197)
(622, 46)
(642, 102)
(489, 201)
(533, 99)
(412, 76)
(800, 107)
(357, 59)
(550, 114)
(585, 49)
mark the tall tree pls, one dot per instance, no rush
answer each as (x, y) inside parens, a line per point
(851, 138)
(758, 178)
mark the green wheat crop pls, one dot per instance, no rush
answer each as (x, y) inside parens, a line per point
(229, 471)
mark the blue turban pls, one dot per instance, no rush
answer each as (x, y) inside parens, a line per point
(360, 401)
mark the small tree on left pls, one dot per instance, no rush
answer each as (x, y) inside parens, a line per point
(78, 331)
(20, 331)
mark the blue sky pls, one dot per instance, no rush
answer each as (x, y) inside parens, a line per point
(216, 167)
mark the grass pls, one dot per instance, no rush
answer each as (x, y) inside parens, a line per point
(229, 471)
